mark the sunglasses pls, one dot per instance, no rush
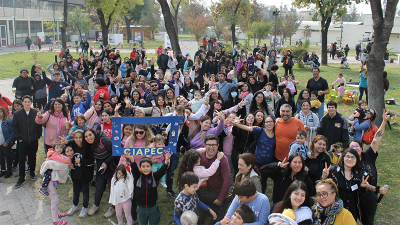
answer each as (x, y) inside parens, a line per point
(155, 85)
(219, 103)
(139, 132)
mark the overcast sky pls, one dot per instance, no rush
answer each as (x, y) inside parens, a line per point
(361, 8)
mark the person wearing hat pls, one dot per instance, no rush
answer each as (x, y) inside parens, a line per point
(57, 87)
(340, 80)
(23, 84)
(335, 152)
(162, 61)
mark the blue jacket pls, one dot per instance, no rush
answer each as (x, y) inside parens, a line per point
(123, 69)
(82, 107)
(7, 131)
(56, 88)
(359, 128)
(225, 88)
(74, 128)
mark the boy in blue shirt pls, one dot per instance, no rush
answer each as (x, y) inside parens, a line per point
(79, 106)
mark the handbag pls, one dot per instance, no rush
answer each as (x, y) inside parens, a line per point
(252, 147)
(369, 135)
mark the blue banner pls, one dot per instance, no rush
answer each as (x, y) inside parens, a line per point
(117, 124)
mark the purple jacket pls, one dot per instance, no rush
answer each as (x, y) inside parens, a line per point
(250, 61)
(197, 143)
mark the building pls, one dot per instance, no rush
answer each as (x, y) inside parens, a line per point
(22, 18)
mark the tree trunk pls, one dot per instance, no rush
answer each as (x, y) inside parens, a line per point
(382, 30)
(128, 28)
(233, 26)
(290, 40)
(169, 25)
(64, 26)
(104, 27)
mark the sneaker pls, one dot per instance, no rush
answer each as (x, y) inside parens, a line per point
(2, 173)
(172, 194)
(43, 191)
(83, 212)
(20, 182)
(72, 210)
(163, 184)
(93, 210)
(110, 212)
(8, 174)
(135, 222)
(33, 177)
(60, 222)
(27, 168)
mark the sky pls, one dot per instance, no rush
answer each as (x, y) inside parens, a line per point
(361, 8)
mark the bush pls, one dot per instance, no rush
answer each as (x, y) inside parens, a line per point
(307, 43)
(299, 52)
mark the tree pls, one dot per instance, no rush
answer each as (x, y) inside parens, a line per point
(64, 26)
(326, 9)
(352, 16)
(80, 21)
(197, 19)
(382, 24)
(291, 22)
(217, 28)
(153, 18)
(108, 11)
(170, 25)
(307, 32)
(232, 12)
(133, 15)
(175, 6)
(258, 30)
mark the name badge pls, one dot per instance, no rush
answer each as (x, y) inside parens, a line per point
(354, 187)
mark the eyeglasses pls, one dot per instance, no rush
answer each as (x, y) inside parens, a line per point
(154, 85)
(370, 112)
(323, 194)
(139, 132)
(219, 103)
(352, 157)
(211, 145)
(260, 97)
(355, 146)
(267, 122)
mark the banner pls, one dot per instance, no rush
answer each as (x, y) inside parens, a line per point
(137, 36)
(278, 41)
(117, 133)
(190, 47)
(114, 39)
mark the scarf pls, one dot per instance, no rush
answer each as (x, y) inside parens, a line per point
(330, 211)
(243, 94)
(59, 122)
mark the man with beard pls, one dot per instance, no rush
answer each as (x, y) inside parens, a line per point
(286, 129)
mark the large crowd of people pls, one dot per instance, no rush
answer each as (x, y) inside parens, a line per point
(239, 126)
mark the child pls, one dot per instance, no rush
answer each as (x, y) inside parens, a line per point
(121, 193)
(270, 96)
(77, 49)
(197, 101)
(340, 80)
(157, 160)
(188, 199)
(361, 109)
(79, 106)
(315, 103)
(146, 188)
(300, 145)
(335, 152)
(243, 214)
(79, 124)
(290, 83)
(60, 173)
(341, 90)
(54, 158)
(127, 131)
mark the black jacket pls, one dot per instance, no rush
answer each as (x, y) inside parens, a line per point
(315, 166)
(24, 126)
(146, 193)
(334, 129)
(242, 140)
(23, 85)
(84, 171)
(104, 149)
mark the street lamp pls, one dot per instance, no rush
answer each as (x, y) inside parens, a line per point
(275, 13)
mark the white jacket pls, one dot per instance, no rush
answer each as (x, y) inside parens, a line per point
(60, 170)
(121, 190)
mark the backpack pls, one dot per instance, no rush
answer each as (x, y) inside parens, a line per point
(369, 135)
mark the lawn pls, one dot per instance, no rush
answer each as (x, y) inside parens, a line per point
(387, 163)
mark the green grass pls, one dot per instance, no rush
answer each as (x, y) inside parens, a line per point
(387, 162)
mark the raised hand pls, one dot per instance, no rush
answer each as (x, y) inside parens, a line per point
(117, 107)
(284, 163)
(39, 114)
(129, 156)
(237, 120)
(221, 116)
(220, 155)
(63, 140)
(243, 103)
(386, 115)
(167, 157)
(325, 172)
(127, 101)
(364, 182)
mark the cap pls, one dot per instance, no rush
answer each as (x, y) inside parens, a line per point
(339, 144)
(37, 74)
(340, 74)
(187, 54)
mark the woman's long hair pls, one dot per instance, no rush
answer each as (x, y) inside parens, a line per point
(253, 104)
(64, 108)
(302, 173)
(211, 111)
(96, 142)
(198, 127)
(262, 123)
(300, 98)
(315, 140)
(5, 114)
(357, 166)
(250, 159)
(190, 158)
(289, 92)
(123, 171)
(148, 137)
(286, 203)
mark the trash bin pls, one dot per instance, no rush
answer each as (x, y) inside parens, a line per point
(391, 60)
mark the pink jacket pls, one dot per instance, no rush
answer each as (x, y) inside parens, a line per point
(90, 116)
(55, 156)
(137, 144)
(204, 173)
(51, 135)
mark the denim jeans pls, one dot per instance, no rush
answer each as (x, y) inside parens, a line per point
(174, 160)
(321, 110)
(362, 92)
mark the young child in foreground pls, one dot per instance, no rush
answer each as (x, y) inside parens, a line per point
(300, 145)
(121, 192)
(146, 183)
(361, 110)
(243, 214)
(54, 158)
(341, 91)
(188, 199)
(315, 103)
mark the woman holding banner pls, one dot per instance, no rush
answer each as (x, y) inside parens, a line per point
(141, 138)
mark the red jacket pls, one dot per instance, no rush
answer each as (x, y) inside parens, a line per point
(204, 42)
(5, 102)
(159, 51)
(101, 90)
(133, 54)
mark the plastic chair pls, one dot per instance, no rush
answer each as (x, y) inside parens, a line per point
(348, 99)
(355, 97)
(333, 95)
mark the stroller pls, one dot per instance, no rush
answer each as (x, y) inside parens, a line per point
(345, 64)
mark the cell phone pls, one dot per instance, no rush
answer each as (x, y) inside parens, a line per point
(153, 103)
